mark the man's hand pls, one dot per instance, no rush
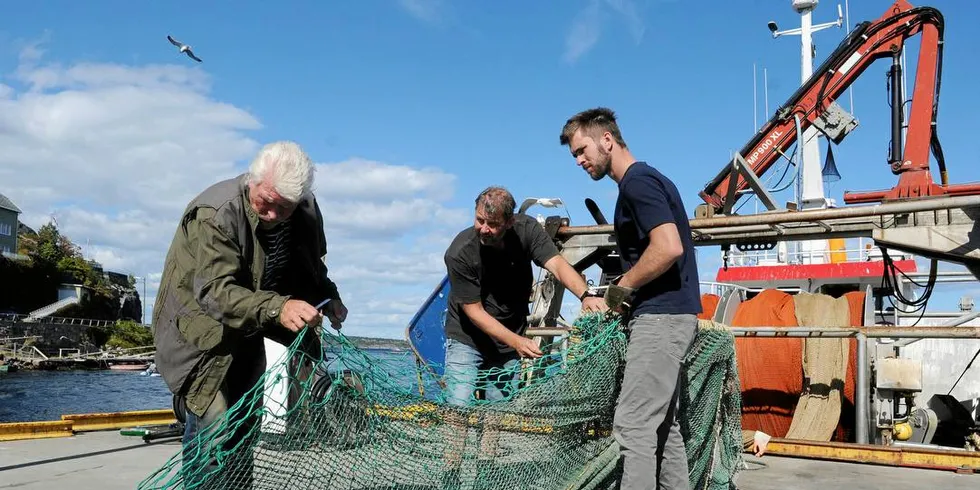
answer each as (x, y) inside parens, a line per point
(336, 312)
(525, 347)
(593, 304)
(616, 296)
(760, 441)
(297, 314)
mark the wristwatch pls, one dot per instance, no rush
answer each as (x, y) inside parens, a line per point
(589, 293)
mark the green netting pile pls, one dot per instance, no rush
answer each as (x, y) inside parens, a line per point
(374, 425)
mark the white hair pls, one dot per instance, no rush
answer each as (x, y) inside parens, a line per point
(289, 168)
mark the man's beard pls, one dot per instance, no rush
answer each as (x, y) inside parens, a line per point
(602, 165)
(491, 240)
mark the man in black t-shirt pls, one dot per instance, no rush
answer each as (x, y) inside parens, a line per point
(653, 237)
(490, 281)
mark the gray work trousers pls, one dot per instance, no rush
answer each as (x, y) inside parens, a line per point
(645, 425)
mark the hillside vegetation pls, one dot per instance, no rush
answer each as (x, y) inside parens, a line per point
(52, 259)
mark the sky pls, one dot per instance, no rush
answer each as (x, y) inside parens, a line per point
(410, 108)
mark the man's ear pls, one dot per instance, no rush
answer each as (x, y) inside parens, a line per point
(607, 141)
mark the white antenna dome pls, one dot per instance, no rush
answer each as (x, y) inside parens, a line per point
(801, 6)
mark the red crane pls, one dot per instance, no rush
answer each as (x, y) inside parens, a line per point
(813, 104)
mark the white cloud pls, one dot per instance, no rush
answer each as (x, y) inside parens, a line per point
(114, 152)
(370, 180)
(426, 10)
(588, 24)
(365, 199)
(386, 220)
(584, 31)
(376, 264)
(627, 9)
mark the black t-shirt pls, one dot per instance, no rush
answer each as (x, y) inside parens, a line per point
(276, 243)
(499, 278)
(648, 199)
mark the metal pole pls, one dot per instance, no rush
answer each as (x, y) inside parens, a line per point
(955, 322)
(918, 205)
(952, 319)
(924, 204)
(811, 191)
(546, 332)
(886, 332)
(755, 102)
(765, 89)
(847, 21)
(861, 392)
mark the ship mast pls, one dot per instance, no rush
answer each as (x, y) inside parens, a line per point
(810, 191)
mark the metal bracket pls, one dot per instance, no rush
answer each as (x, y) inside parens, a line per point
(835, 122)
(741, 167)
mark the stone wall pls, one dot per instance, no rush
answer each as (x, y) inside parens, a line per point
(54, 336)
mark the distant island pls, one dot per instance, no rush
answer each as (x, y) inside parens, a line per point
(376, 343)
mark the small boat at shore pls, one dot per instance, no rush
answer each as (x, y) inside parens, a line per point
(129, 367)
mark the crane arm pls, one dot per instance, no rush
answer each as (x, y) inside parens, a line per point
(813, 104)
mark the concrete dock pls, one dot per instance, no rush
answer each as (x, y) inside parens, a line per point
(106, 460)
(88, 460)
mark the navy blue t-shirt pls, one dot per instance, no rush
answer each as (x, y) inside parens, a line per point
(646, 200)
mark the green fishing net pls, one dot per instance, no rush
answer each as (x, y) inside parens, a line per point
(374, 425)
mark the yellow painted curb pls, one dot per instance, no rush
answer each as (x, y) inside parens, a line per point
(960, 461)
(35, 430)
(84, 422)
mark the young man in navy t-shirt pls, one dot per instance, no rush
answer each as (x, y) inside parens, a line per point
(653, 237)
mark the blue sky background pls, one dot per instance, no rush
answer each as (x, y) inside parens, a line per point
(477, 92)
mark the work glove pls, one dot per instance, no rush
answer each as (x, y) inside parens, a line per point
(618, 297)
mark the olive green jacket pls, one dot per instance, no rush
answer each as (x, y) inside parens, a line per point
(209, 306)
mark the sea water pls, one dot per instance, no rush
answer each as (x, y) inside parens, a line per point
(27, 396)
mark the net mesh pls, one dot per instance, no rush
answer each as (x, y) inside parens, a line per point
(373, 425)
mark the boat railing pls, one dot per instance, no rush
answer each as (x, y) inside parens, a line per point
(864, 251)
(723, 288)
(720, 288)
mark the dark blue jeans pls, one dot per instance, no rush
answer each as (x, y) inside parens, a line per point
(220, 429)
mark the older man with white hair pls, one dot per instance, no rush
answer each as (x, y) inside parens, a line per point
(246, 263)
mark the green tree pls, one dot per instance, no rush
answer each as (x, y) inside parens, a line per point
(127, 334)
(26, 241)
(51, 246)
(78, 269)
(54, 259)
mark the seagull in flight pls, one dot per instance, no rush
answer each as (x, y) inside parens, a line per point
(183, 48)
